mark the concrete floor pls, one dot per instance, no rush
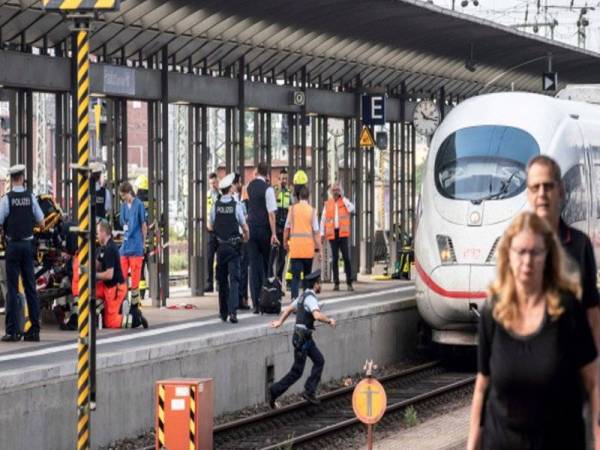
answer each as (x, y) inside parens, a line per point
(447, 432)
(181, 307)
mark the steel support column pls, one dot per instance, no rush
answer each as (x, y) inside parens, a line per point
(229, 147)
(197, 178)
(303, 120)
(392, 175)
(242, 118)
(164, 172)
(358, 181)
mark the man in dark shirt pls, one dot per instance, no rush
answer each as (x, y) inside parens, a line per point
(110, 284)
(262, 206)
(545, 193)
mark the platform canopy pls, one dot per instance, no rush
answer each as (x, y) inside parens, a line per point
(385, 42)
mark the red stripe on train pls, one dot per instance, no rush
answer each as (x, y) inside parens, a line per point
(444, 292)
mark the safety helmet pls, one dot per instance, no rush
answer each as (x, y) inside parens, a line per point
(300, 177)
(141, 182)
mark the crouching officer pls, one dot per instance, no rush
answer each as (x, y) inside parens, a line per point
(110, 284)
(19, 213)
(307, 311)
(228, 223)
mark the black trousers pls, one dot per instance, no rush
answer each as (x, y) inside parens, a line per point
(280, 263)
(19, 261)
(299, 266)
(340, 244)
(297, 369)
(243, 291)
(228, 276)
(212, 246)
(259, 247)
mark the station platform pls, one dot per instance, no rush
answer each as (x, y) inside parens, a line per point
(38, 381)
(181, 307)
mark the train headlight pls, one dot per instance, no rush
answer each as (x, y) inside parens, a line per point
(446, 249)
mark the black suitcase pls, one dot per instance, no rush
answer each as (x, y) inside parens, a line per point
(271, 292)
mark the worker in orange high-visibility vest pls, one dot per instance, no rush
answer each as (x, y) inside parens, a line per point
(335, 226)
(301, 238)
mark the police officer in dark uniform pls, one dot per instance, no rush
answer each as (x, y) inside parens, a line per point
(307, 312)
(103, 196)
(228, 222)
(19, 213)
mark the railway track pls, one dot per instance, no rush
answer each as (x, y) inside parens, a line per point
(302, 422)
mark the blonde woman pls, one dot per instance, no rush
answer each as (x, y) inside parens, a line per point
(535, 350)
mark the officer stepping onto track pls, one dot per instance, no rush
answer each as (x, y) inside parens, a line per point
(103, 196)
(307, 311)
(335, 226)
(261, 221)
(135, 228)
(301, 237)
(228, 223)
(19, 213)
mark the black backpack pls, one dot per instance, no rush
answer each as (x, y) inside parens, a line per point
(271, 292)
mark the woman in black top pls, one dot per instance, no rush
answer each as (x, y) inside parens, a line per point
(535, 350)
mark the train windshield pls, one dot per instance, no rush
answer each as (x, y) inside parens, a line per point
(485, 162)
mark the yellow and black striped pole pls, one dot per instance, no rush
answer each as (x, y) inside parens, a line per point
(192, 418)
(161, 416)
(83, 242)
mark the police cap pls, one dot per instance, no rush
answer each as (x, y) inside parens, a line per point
(313, 277)
(16, 169)
(226, 181)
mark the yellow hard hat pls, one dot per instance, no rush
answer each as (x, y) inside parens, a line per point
(300, 177)
(141, 182)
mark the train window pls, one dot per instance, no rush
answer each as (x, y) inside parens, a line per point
(486, 162)
(576, 195)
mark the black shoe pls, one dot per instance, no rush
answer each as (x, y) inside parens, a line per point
(224, 318)
(208, 289)
(11, 338)
(271, 399)
(32, 337)
(244, 307)
(256, 310)
(310, 398)
(350, 288)
(144, 321)
(336, 287)
(233, 318)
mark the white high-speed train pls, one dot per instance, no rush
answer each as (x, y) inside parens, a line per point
(475, 183)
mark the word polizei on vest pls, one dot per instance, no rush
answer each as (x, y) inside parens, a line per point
(21, 201)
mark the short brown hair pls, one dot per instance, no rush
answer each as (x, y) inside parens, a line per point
(545, 160)
(262, 169)
(126, 188)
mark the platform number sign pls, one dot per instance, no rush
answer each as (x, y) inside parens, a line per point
(81, 5)
(550, 81)
(373, 109)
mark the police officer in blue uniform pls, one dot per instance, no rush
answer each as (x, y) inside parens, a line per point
(19, 213)
(228, 222)
(307, 312)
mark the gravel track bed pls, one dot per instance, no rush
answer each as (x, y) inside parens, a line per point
(147, 439)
